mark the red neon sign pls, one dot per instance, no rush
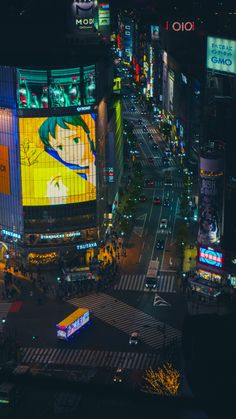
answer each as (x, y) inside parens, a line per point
(180, 26)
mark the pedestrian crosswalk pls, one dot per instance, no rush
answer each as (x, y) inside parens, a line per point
(127, 318)
(136, 282)
(157, 162)
(139, 130)
(88, 357)
(160, 302)
(4, 308)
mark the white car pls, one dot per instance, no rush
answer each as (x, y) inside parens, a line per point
(134, 338)
(163, 223)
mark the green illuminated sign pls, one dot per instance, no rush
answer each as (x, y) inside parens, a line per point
(221, 55)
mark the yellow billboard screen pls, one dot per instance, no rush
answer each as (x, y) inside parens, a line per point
(4, 170)
(57, 157)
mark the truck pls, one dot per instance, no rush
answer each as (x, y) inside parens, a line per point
(152, 274)
(72, 323)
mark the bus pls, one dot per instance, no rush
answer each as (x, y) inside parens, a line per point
(72, 323)
(152, 274)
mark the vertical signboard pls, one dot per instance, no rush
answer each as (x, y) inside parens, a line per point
(155, 33)
(221, 55)
(4, 170)
(211, 201)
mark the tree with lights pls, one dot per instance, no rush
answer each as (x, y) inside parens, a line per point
(164, 381)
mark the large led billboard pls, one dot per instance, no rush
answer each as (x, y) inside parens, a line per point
(211, 201)
(221, 55)
(4, 170)
(57, 156)
(58, 88)
(210, 257)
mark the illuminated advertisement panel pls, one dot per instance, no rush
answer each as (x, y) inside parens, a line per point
(210, 257)
(171, 79)
(4, 170)
(104, 14)
(84, 14)
(59, 88)
(57, 156)
(155, 33)
(211, 200)
(221, 55)
(89, 85)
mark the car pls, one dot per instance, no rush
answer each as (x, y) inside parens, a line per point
(150, 136)
(165, 161)
(168, 181)
(151, 283)
(133, 109)
(163, 223)
(144, 128)
(167, 151)
(160, 244)
(157, 200)
(149, 182)
(166, 202)
(140, 121)
(134, 338)
(155, 146)
(118, 376)
(142, 198)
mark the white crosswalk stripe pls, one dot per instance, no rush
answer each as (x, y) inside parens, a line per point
(4, 308)
(157, 162)
(136, 282)
(176, 184)
(139, 130)
(130, 283)
(167, 283)
(127, 318)
(92, 358)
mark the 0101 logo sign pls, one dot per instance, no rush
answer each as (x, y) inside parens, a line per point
(177, 26)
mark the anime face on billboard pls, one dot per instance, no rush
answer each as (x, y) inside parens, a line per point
(58, 159)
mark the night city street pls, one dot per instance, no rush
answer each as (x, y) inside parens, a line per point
(117, 209)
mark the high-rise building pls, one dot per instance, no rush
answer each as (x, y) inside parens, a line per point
(56, 123)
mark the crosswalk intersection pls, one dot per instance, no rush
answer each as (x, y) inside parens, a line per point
(87, 357)
(157, 162)
(139, 131)
(136, 282)
(4, 308)
(127, 318)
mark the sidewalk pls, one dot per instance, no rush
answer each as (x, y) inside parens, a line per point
(189, 262)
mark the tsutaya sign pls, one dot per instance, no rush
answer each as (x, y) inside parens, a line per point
(221, 55)
(180, 26)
